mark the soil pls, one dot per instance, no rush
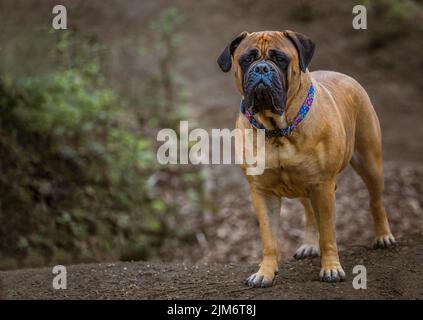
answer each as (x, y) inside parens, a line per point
(391, 274)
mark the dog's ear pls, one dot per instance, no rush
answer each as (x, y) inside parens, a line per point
(225, 59)
(305, 47)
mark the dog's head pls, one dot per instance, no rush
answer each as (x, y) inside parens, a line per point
(265, 65)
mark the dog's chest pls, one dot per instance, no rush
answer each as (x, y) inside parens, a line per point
(289, 171)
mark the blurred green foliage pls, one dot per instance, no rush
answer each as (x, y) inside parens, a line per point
(78, 174)
(389, 20)
(393, 12)
(73, 172)
(164, 92)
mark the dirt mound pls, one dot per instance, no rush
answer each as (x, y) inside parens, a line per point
(391, 274)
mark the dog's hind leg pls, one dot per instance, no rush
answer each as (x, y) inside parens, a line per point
(367, 162)
(310, 247)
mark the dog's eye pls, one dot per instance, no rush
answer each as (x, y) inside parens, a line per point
(248, 59)
(280, 58)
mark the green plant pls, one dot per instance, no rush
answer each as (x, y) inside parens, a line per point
(78, 174)
(165, 90)
(395, 12)
(72, 172)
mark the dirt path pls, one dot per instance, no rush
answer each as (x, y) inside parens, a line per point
(392, 274)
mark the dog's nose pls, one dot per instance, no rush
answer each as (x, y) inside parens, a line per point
(261, 68)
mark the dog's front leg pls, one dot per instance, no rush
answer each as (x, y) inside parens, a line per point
(267, 209)
(322, 198)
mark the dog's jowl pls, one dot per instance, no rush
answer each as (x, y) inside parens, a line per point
(316, 123)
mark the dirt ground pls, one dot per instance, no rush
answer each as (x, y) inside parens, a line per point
(391, 274)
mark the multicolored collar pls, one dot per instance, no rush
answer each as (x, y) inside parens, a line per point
(305, 108)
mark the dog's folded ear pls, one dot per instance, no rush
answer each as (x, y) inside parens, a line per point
(225, 59)
(305, 47)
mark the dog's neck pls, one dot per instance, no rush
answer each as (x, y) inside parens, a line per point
(296, 96)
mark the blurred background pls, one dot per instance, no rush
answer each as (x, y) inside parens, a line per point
(80, 110)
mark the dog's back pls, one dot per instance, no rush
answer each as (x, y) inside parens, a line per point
(353, 103)
(351, 98)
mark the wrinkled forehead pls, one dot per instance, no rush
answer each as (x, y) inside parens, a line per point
(263, 41)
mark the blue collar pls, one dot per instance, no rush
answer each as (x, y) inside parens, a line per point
(305, 108)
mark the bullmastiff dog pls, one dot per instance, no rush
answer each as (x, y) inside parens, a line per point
(316, 123)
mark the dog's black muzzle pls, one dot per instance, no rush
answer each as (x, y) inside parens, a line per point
(263, 88)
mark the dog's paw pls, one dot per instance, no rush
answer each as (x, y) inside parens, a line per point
(258, 280)
(384, 242)
(265, 276)
(306, 251)
(332, 274)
